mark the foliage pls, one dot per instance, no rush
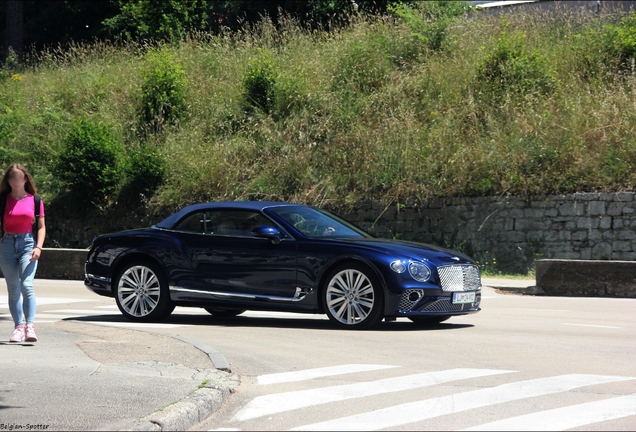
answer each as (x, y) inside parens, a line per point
(430, 20)
(259, 84)
(164, 20)
(509, 68)
(163, 90)
(145, 172)
(90, 161)
(621, 42)
(363, 67)
(360, 111)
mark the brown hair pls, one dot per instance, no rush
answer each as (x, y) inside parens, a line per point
(29, 186)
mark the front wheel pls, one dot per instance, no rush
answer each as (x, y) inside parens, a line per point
(353, 297)
(141, 292)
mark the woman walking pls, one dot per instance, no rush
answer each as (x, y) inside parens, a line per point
(20, 247)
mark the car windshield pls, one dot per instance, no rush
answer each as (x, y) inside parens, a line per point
(318, 223)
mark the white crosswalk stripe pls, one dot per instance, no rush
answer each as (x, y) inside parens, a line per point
(430, 408)
(569, 417)
(398, 416)
(42, 301)
(309, 374)
(281, 402)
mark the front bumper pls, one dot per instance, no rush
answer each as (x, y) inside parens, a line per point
(98, 284)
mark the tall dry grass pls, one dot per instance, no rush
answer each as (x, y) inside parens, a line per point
(365, 111)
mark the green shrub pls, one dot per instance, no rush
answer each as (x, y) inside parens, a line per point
(90, 160)
(145, 172)
(363, 67)
(620, 42)
(429, 21)
(163, 90)
(259, 84)
(510, 69)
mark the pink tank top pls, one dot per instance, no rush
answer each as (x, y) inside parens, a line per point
(19, 215)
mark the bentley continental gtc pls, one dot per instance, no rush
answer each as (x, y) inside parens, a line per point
(229, 257)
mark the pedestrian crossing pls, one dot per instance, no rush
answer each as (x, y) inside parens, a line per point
(515, 388)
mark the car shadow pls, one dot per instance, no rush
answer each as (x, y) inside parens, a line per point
(268, 322)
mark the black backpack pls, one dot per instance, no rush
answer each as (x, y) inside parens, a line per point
(3, 205)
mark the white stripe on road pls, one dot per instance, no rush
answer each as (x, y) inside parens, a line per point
(590, 325)
(79, 312)
(431, 408)
(41, 301)
(310, 374)
(281, 402)
(559, 419)
(135, 325)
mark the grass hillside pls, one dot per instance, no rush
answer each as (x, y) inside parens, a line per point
(387, 107)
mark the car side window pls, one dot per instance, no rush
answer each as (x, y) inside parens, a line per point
(194, 223)
(225, 222)
(234, 222)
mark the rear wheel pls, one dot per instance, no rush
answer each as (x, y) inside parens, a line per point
(224, 313)
(141, 292)
(353, 297)
(429, 320)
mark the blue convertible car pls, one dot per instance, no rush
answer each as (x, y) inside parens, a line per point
(228, 257)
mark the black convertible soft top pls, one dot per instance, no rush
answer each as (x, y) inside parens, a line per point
(171, 220)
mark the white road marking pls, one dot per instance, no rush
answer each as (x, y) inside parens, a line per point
(136, 325)
(281, 402)
(79, 312)
(590, 325)
(310, 374)
(431, 408)
(569, 417)
(42, 301)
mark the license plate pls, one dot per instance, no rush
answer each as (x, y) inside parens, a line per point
(463, 297)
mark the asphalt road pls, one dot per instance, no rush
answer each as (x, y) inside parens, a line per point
(523, 362)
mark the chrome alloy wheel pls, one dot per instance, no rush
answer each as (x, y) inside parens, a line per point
(138, 291)
(350, 297)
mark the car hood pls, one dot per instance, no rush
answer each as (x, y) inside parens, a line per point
(412, 250)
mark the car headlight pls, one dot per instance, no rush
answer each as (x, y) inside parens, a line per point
(419, 271)
(398, 266)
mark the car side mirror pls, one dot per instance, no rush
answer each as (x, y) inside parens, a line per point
(267, 232)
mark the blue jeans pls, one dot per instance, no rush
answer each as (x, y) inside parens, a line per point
(18, 271)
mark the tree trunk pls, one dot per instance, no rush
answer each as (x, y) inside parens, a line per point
(14, 39)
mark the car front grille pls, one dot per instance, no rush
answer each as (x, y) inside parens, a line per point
(445, 305)
(409, 298)
(459, 277)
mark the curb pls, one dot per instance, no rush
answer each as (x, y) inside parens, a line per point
(529, 290)
(512, 286)
(197, 406)
(192, 409)
(217, 358)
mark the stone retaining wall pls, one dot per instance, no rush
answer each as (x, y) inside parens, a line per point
(587, 278)
(505, 234)
(509, 233)
(57, 263)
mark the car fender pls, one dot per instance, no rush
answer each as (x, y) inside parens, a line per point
(351, 258)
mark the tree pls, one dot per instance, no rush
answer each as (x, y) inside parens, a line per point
(14, 31)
